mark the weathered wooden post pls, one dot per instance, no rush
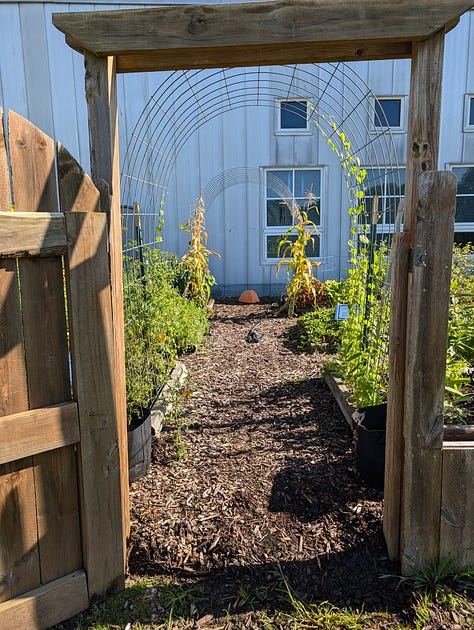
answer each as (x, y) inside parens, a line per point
(420, 293)
(101, 95)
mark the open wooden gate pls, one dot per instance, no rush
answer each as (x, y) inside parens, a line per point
(61, 520)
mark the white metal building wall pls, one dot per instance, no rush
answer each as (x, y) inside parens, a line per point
(43, 79)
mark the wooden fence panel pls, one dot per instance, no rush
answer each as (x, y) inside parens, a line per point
(77, 192)
(19, 558)
(59, 440)
(457, 504)
(47, 605)
(32, 155)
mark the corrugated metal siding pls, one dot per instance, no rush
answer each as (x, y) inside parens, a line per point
(43, 79)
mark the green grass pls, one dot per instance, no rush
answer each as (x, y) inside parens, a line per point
(439, 595)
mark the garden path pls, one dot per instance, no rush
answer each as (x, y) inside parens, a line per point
(268, 484)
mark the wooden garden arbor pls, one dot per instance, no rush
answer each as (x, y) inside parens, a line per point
(428, 510)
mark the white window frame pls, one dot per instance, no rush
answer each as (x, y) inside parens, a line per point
(462, 226)
(279, 230)
(279, 131)
(467, 107)
(403, 114)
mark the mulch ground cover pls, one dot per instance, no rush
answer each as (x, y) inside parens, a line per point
(268, 486)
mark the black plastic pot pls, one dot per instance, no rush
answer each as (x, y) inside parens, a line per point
(370, 429)
(139, 449)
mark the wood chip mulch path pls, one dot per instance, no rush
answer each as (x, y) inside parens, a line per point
(269, 486)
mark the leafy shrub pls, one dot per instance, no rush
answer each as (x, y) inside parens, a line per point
(160, 324)
(318, 330)
(460, 355)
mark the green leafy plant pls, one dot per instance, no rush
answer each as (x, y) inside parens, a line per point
(160, 324)
(197, 278)
(363, 348)
(460, 355)
(318, 330)
(303, 290)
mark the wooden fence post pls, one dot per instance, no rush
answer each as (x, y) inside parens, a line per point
(395, 405)
(422, 155)
(427, 326)
(101, 94)
(90, 315)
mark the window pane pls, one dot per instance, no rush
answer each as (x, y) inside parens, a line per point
(293, 114)
(464, 209)
(396, 182)
(463, 238)
(312, 207)
(374, 183)
(312, 248)
(278, 213)
(279, 184)
(465, 175)
(391, 208)
(272, 246)
(388, 112)
(471, 111)
(307, 183)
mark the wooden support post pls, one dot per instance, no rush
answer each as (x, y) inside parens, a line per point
(427, 332)
(92, 342)
(422, 155)
(395, 402)
(423, 120)
(101, 94)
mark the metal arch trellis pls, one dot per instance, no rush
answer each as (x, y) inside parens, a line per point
(339, 101)
(336, 93)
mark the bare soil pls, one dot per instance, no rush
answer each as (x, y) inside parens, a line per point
(269, 485)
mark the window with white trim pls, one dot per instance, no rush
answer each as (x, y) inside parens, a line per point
(384, 191)
(283, 188)
(464, 218)
(293, 116)
(388, 113)
(469, 113)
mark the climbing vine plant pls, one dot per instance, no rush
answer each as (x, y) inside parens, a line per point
(363, 353)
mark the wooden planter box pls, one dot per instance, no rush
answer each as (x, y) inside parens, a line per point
(456, 521)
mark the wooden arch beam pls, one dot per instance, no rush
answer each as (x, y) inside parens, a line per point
(178, 37)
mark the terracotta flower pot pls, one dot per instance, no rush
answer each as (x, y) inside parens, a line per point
(249, 297)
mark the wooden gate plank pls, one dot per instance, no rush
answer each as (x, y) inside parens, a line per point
(32, 164)
(90, 313)
(32, 234)
(26, 433)
(47, 605)
(32, 155)
(19, 560)
(428, 302)
(77, 192)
